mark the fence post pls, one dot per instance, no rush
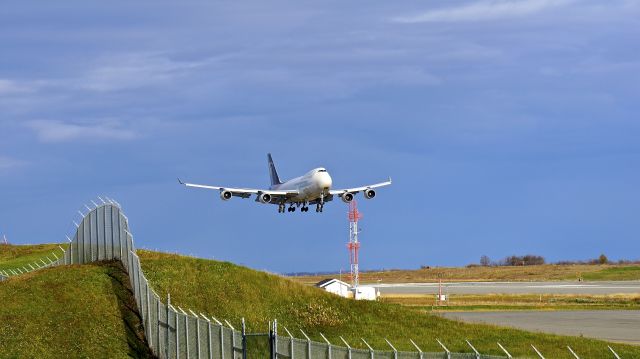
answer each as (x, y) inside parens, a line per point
(209, 342)
(177, 333)
(275, 338)
(417, 347)
(572, 352)
(371, 352)
(271, 356)
(614, 353)
(148, 313)
(166, 345)
(64, 254)
(233, 339)
(186, 331)
(197, 332)
(290, 341)
(329, 343)
(474, 349)
(244, 340)
(395, 352)
(348, 347)
(308, 344)
(221, 338)
(537, 352)
(445, 348)
(505, 351)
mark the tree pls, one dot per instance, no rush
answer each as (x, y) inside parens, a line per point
(485, 261)
(603, 259)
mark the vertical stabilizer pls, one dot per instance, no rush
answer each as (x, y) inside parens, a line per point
(275, 180)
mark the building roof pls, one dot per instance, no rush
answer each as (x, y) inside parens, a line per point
(325, 282)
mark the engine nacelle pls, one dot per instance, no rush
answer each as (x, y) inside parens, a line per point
(347, 197)
(264, 198)
(225, 195)
(369, 193)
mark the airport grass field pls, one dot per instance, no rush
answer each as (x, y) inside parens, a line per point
(466, 302)
(68, 311)
(545, 272)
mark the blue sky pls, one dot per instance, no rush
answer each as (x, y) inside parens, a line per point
(509, 127)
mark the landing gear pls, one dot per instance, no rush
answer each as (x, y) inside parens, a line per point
(291, 209)
(320, 205)
(281, 208)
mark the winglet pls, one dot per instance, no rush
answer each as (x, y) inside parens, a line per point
(389, 179)
(179, 181)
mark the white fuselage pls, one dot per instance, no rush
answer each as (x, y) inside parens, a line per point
(309, 186)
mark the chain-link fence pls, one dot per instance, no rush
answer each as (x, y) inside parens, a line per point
(171, 332)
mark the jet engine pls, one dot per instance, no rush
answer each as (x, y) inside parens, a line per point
(264, 198)
(347, 197)
(226, 195)
(369, 193)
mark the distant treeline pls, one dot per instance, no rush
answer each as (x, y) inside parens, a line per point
(530, 259)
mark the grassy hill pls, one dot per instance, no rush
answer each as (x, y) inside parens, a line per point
(69, 312)
(228, 291)
(18, 256)
(543, 272)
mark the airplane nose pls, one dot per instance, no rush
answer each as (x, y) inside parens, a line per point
(324, 181)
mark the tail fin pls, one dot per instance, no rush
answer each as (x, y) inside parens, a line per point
(275, 180)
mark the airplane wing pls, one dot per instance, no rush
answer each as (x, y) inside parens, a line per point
(359, 189)
(246, 192)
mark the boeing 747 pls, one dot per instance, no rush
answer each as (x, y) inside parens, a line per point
(314, 187)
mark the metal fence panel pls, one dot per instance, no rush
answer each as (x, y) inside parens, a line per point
(434, 355)
(463, 356)
(100, 229)
(408, 355)
(163, 331)
(319, 350)
(300, 349)
(284, 346)
(108, 233)
(339, 352)
(384, 355)
(192, 325)
(228, 349)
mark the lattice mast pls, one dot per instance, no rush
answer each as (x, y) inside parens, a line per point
(354, 243)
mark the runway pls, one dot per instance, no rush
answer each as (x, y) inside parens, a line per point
(612, 325)
(590, 288)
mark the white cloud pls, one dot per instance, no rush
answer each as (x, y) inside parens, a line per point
(136, 70)
(9, 87)
(58, 131)
(485, 10)
(8, 163)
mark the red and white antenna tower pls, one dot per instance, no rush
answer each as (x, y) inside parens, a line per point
(354, 244)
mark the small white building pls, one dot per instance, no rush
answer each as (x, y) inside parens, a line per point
(335, 286)
(365, 293)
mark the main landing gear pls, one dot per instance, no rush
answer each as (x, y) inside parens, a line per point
(304, 208)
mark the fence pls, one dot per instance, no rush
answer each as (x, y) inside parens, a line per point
(171, 332)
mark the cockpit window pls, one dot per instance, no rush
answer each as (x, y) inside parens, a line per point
(322, 170)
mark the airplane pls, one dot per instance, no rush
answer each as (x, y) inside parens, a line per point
(314, 187)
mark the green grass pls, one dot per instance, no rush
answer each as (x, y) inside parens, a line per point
(70, 312)
(228, 291)
(615, 273)
(19, 256)
(545, 272)
(519, 301)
